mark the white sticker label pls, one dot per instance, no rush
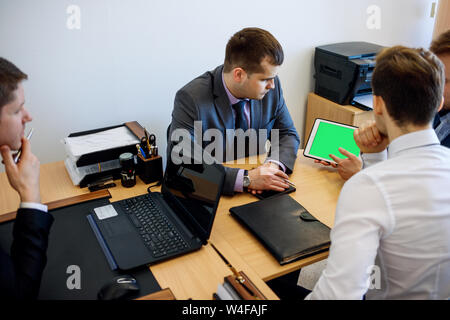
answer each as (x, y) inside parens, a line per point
(105, 212)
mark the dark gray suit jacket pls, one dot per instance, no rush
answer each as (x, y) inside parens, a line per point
(21, 272)
(205, 99)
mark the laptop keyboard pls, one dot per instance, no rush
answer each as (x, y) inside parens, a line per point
(158, 233)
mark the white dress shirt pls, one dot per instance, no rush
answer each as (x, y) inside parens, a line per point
(394, 215)
(34, 205)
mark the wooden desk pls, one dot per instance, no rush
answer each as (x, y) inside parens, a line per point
(318, 189)
(195, 275)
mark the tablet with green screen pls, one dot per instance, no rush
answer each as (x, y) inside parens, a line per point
(327, 137)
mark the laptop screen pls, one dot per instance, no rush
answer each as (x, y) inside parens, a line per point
(196, 190)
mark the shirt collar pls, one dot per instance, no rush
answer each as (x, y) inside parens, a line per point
(444, 113)
(233, 100)
(412, 140)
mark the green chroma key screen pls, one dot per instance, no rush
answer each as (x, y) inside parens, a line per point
(329, 138)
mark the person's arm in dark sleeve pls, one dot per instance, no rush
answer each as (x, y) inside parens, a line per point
(286, 150)
(183, 116)
(21, 272)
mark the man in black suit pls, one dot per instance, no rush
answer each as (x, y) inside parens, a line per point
(21, 271)
(441, 123)
(243, 93)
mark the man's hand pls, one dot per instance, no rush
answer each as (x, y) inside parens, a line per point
(23, 176)
(347, 167)
(267, 177)
(369, 139)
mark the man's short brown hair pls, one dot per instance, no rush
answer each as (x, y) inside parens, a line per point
(248, 47)
(441, 45)
(10, 77)
(411, 83)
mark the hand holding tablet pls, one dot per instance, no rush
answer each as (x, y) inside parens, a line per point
(367, 138)
(349, 166)
(327, 138)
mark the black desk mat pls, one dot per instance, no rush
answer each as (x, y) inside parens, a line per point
(73, 243)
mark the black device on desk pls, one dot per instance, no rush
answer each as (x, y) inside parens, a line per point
(344, 71)
(120, 287)
(158, 226)
(272, 193)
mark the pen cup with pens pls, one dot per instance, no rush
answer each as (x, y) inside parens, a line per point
(149, 163)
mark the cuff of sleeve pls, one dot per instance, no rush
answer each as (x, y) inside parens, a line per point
(239, 184)
(282, 166)
(34, 205)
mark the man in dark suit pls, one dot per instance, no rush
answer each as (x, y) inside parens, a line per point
(441, 123)
(244, 93)
(21, 271)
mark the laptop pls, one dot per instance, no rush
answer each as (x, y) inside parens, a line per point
(158, 226)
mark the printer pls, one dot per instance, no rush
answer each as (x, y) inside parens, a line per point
(343, 72)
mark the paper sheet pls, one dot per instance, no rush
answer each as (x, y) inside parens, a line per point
(365, 100)
(78, 173)
(105, 212)
(104, 140)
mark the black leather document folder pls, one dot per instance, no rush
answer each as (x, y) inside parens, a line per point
(284, 227)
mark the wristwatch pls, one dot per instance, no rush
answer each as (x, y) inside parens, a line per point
(246, 179)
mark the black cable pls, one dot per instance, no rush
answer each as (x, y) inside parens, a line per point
(155, 185)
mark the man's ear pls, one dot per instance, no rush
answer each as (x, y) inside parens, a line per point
(239, 74)
(442, 104)
(378, 105)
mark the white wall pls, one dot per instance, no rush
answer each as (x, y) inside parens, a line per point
(130, 57)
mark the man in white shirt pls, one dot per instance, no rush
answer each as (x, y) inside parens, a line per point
(347, 167)
(21, 270)
(391, 238)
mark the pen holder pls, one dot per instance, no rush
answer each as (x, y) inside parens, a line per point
(150, 170)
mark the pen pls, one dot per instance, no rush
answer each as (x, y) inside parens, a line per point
(140, 151)
(236, 274)
(289, 183)
(17, 156)
(143, 153)
(147, 140)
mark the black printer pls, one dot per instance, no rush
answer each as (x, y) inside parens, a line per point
(344, 71)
